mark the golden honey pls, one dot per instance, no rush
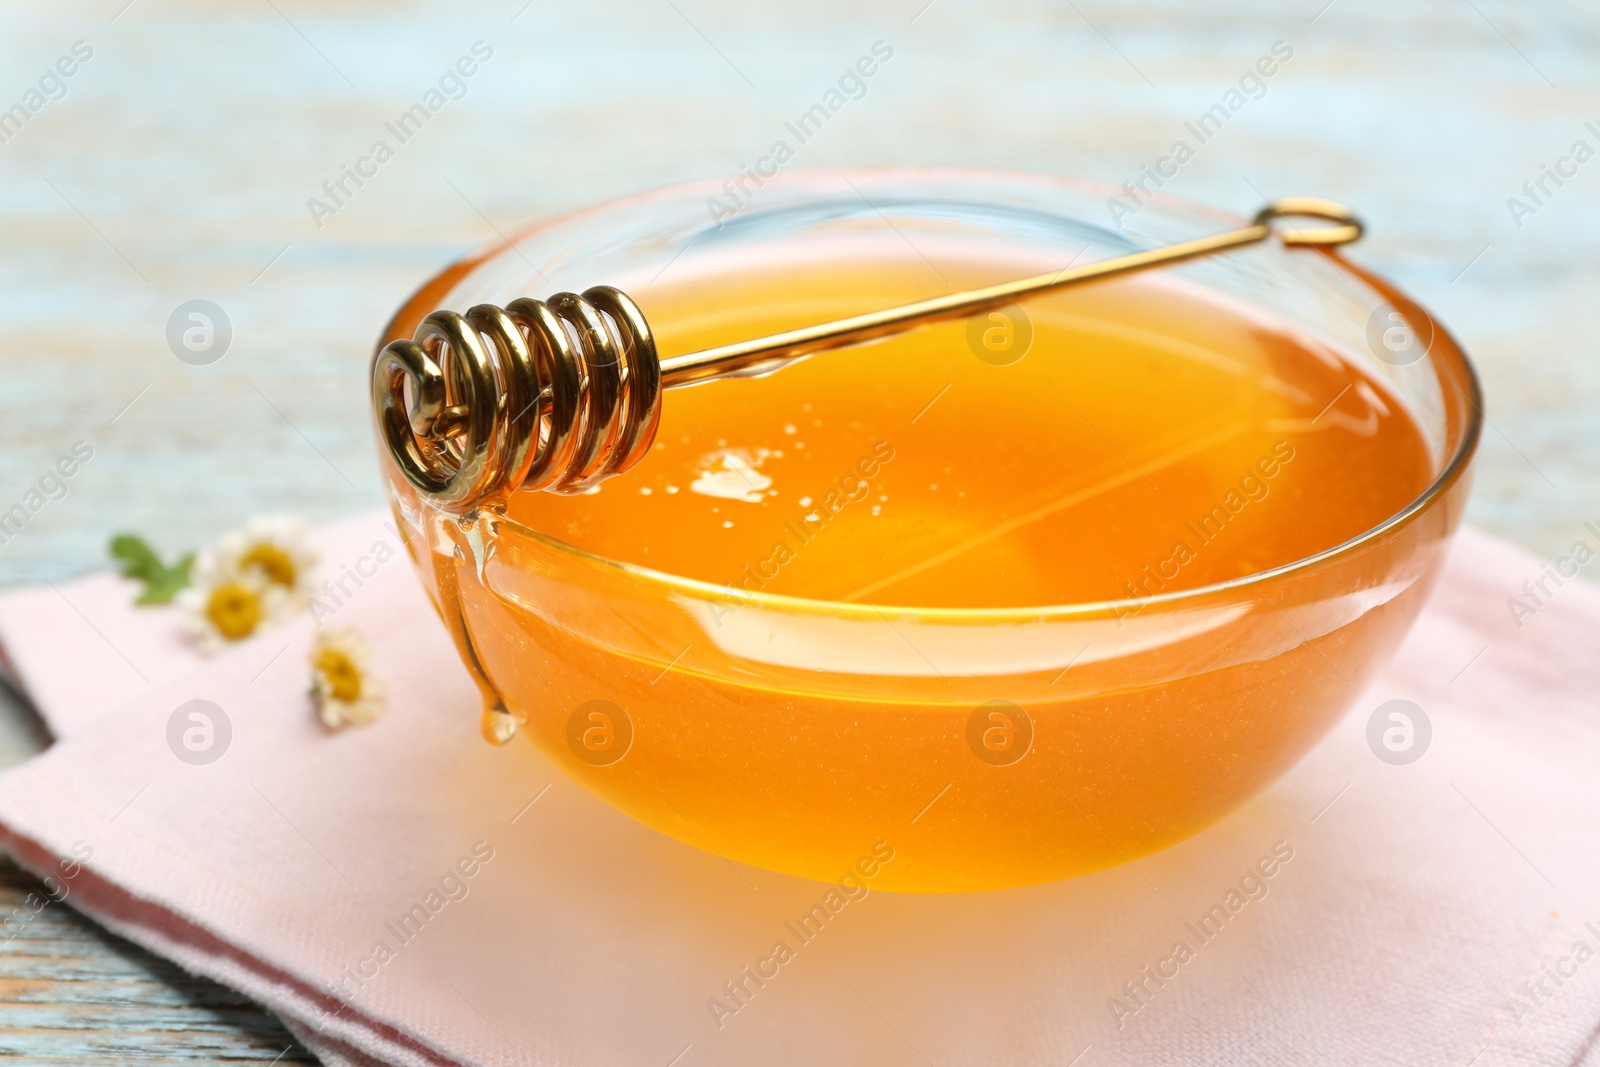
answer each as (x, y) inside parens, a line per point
(1151, 439)
(925, 595)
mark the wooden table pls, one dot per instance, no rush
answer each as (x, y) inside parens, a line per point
(179, 161)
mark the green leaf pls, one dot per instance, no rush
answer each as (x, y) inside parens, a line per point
(139, 561)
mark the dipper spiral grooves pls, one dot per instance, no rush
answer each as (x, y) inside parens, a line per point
(554, 394)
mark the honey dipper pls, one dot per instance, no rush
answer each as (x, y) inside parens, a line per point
(501, 399)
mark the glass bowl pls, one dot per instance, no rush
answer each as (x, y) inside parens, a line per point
(834, 740)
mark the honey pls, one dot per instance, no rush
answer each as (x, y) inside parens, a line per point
(858, 603)
(1150, 439)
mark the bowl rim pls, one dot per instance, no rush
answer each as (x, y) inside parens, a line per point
(1449, 474)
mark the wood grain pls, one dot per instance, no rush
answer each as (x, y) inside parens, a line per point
(179, 163)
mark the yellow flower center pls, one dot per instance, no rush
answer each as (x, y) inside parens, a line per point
(340, 674)
(274, 562)
(234, 610)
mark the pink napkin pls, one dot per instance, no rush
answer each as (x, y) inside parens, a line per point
(404, 893)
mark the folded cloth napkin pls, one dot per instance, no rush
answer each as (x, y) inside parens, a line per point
(402, 892)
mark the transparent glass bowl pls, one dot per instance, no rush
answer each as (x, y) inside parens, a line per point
(807, 736)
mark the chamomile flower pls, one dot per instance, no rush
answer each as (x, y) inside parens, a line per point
(341, 679)
(273, 547)
(226, 606)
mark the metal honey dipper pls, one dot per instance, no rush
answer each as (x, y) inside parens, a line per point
(563, 393)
